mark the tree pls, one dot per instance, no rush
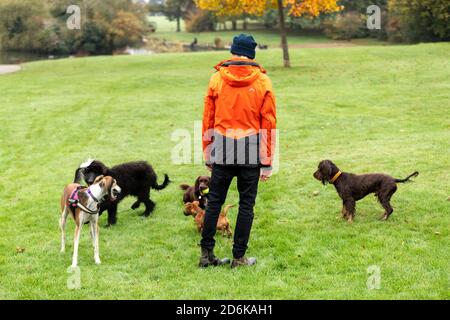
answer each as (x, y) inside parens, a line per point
(259, 7)
(40, 26)
(175, 10)
(361, 5)
(420, 20)
(22, 23)
(126, 30)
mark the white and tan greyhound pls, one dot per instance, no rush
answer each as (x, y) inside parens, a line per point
(83, 204)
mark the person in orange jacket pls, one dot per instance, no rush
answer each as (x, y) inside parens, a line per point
(239, 123)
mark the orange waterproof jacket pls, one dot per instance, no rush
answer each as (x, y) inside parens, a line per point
(240, 103)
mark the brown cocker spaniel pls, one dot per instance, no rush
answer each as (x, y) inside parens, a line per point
(352, 187)
(197, 192)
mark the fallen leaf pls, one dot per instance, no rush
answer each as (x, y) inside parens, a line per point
(20, 250)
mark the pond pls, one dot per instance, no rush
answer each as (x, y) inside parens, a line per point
(14, 57)
(156, 46)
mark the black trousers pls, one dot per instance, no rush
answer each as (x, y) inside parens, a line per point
(247, 184)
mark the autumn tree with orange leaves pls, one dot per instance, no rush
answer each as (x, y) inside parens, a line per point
(295, 8)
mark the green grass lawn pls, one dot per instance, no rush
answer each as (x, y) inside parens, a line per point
(370, 109)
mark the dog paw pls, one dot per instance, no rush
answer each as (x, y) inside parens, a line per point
(97, 262)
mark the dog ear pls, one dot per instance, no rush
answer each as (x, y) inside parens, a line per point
(325, 171)
(330, 169)
(98, 179)
(109, 182)
(113, 184)
(99, 167)
(197, 183)
(334, 169)
(78, 175)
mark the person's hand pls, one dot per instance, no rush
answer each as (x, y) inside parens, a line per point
(209, 167)
(265, 174)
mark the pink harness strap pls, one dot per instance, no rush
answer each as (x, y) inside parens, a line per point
(74, 202)
(73, 199)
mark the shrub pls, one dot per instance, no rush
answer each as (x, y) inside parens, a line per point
(270, 19)
(126, 30)
(22, 24)
(93, 38)
(345, 26)
(393, 30)
(200, 21)
(218, 43)
(419, 20)
(30, 25)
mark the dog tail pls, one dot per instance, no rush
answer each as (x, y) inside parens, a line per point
(77, 177)
(184, 186)
(415, 174)
(156, 186)
(225, 210)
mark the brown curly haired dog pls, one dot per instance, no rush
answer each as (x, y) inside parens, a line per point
(352, 187)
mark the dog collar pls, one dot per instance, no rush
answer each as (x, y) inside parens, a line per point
(91, 195)
(336, 176)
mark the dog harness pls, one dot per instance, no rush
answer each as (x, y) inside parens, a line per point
(74, 201)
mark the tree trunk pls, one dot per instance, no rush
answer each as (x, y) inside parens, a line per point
(283, 33)
(245, 23)
(178, 24)
(234, 23)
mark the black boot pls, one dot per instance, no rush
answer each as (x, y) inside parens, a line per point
(243, 261)
(209, 259)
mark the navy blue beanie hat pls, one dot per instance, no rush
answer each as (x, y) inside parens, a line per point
(244, 45)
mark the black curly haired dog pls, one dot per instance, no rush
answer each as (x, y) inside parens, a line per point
(352, 187)
(135, 179)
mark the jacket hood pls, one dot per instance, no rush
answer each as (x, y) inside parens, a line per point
(239, 75)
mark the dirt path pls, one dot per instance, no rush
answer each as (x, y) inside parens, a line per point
(9, 68)
(343, 44)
